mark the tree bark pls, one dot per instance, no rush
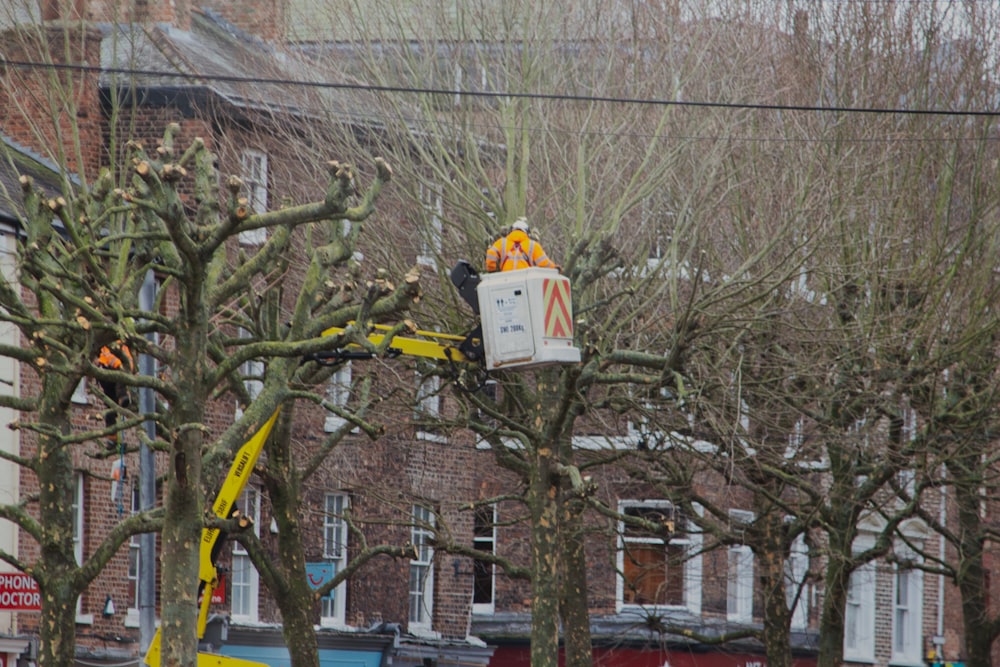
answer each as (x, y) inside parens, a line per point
(831, 622)
(575, 608)
(979, 624)
(777, 617)
(543, 502)
(57, 568)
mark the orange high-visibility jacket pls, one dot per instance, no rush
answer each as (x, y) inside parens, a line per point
(109, 359)
(516, 251)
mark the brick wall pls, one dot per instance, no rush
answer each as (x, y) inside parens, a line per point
(265, 19)
(176, 13)
(55, 112)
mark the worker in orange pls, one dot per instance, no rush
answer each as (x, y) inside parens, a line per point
(115, 357)
(517, 251)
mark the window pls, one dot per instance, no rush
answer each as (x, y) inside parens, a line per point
(244, 576)
(428, 396)
(859, 617)
(796, 591)
(78, 510)
(254, 169)
(739, 575)
(422, 569)
(430, 233)
(654, 569)
(132, 614)
(332, 607)
(484, 538)
(338, 392)
(907, 616)
(252, 371)
(78, 514)
(428, 406)
(491, 394)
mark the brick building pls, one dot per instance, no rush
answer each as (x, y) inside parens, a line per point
(437, 608)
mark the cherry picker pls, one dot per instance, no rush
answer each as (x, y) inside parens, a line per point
(525, 322)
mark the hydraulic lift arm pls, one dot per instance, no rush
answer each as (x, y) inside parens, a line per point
(532, 311)
(430, 345)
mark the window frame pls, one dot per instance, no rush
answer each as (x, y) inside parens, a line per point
(796, 588)
(690, 545)
(254, 369)
(421, 598)
(333, 609)
(79, 528)
(907, 638)
(338, 393)
(427, 404)
(253, 170)
(134, 572)
(739, 574)
(484, 571)
(251, 494)
(430, 237)
(859, 612)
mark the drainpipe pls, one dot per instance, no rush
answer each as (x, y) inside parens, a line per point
(939, 639)
(147, 483)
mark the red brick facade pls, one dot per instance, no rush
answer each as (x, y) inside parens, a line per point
(383, 478)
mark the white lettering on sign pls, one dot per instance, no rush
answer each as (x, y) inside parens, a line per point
(19, 592)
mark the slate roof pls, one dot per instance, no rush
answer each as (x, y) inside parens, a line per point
(216, 58)
(15, 161)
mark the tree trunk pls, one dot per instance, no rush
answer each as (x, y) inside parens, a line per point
(543, 501)
(57, 567)
(57, 625)
(183, 504)
(184, 499)
(297, 601)
(979, 624)
(831, 622)
(777, 617)
(575, 608)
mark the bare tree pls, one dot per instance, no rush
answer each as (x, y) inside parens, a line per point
(788, 246)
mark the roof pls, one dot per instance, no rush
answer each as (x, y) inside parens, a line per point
(215, 58)
(17, 161)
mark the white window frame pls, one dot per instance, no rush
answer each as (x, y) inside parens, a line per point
(253, 167)
(78, 517)
(796, 588)
(691, 542)
(421, 590)
(739, 574)
(134, 566)
(907, 610)
(253, 368)
(79, 523)
(430, 237)
(428, 404)
(859, 614)
(485, 541)
(338, 393)
(333, 610)
(249, 579)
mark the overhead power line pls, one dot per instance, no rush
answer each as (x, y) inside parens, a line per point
(415, 90)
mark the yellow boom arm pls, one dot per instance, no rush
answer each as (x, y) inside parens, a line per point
(430, 344)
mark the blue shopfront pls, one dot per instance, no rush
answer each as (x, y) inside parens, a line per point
(380, 646)
(336, 649)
